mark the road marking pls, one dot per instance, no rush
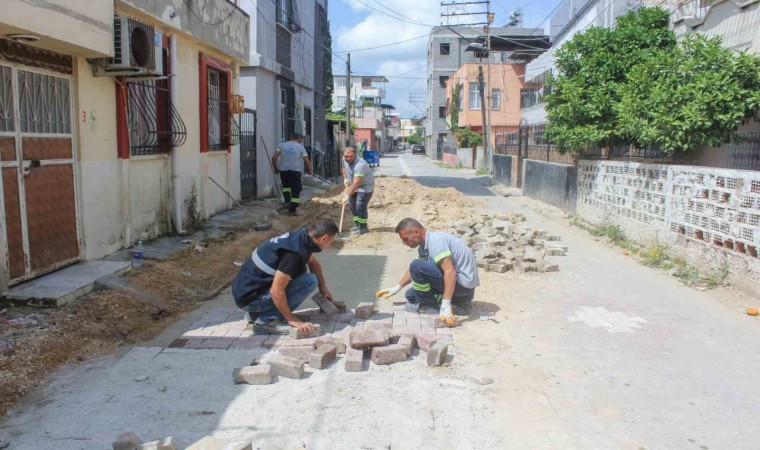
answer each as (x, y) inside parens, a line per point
(613, 322)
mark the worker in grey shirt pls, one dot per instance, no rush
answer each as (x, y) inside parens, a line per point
(445, 273)
(289, 160)
(360, 183)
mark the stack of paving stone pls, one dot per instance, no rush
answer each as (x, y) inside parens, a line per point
(502, 243)
(382, 338)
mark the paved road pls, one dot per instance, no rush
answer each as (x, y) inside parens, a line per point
(604, 354)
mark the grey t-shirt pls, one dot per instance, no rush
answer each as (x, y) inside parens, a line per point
(440, 245)
(361, 169)
(291, 156)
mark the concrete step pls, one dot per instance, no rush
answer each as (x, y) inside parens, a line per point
(65, 285)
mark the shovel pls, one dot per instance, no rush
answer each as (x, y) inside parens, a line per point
(258, 226)
(341, 235)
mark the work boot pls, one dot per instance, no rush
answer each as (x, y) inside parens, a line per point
(274, 326)
(251, 317)
(360, 230)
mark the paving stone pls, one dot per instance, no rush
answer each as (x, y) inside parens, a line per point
(436, 322)
(440, 331)
(389, 355)
(164, 444)
(126, 441)
(437, 354)
(222, 343)
(364, 310)
(533, 255)
(341, 305)
(259, 374)
(178, 343)
(554, 237)
(547, 267)
(273, 340)
(498, 268)
(409, 341)
(551, 251)
(296, 333)
(335, 341)
(324, 304)
(323, 356)
(367, 338)
(211, 443)
(425, 340)
(445, 339)
(346, 317)
(287, 367)
(354, 360)
(248, 342)
(296, 349)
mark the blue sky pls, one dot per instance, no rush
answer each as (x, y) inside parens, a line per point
(358, 24)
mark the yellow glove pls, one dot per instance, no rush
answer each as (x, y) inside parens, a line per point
(446, 313)
(388, 293)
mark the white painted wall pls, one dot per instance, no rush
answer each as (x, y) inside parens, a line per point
(737, 21)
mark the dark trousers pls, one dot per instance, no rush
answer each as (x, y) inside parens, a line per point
(291, 188)
(427, 286)
(358, 204)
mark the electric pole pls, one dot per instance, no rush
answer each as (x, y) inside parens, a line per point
(482, 104)
(489, 91)
(348, 101)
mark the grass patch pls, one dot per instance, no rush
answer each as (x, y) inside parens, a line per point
(446, 166)
(482, 172)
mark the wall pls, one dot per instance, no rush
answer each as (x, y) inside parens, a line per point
(737, 24)
(709, 216)
(54, 20)
(465, 157)
(502, 169)
(451, 159)
(508, 78)
(368, 134)
(552, 183)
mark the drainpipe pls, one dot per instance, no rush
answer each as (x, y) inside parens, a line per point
(176, 189)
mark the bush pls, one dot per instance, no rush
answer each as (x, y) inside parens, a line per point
(466, 138)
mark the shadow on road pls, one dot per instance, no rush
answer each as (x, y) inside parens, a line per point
(463, 185)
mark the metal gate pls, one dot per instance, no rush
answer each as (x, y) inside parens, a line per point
(37, 160)
(248, 154)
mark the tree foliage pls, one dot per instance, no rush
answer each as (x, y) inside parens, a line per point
(456, 93)
(328, 70)
(698, 93)
(466, 138)
(593, 66)
(416, 138)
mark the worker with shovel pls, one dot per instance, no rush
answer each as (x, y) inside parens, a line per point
(289, 161)
(274, 281)
(444, 275)
(360, 183)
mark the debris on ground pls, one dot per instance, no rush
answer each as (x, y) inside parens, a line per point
(752, 311)
(501, 243)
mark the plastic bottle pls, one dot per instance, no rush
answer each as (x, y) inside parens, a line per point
(137, 255)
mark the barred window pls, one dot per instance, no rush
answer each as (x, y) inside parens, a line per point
(223, 130)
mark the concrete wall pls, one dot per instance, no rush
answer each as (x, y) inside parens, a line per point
(466, 157)
(552, 183)
(53, 21)
(706, 215)
(451, 159)
(502, 169)
(737, 21)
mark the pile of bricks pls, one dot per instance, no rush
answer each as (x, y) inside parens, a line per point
(130, 441)
(364, 335)
(502, 243)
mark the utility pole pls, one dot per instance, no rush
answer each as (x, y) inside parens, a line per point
(489, 91)
(482, 104)
(348, 101)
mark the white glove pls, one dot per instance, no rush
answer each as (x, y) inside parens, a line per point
(388, 293)
(446, 313)
(344, 199)
(345, 182)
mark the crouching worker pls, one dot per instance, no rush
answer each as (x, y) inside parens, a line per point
(274, 281)
(443, 277)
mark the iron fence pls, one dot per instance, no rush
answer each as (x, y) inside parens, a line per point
(325, 164)
(743, 152)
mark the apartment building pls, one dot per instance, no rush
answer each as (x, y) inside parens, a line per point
(371, 115)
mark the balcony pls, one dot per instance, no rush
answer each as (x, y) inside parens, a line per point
(691, 12)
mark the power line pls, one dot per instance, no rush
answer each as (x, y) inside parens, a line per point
(384, 45)
(399, 14)
(409, 21)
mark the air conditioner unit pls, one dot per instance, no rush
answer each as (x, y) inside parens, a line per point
(137, 48)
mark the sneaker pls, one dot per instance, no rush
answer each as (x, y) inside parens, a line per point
(251, 318)
(274, 326)
(354, 228)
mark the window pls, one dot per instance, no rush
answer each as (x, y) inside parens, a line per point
(366, 82)
(340, 82)
(528, 98)
(220, 120)
(495, 99)
(284, 11)
(442, 80)
(442, 112)
(341, 101)
(474, 95)
(287, 112)
(445, 49)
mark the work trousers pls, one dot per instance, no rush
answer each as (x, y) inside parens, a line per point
(291, 188)
(427, 286)
(358, 203)
(297, 291)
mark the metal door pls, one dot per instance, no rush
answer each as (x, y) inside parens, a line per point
(37, 159)
(248, 154)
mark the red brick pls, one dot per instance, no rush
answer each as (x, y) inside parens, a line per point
(437, 354)
(323, 356)
(364, 310)
(354, 360)
(296, 333)
(425, 340)
(286, 367)
(389, 355)
(408, 341)
(336, 342)
(368, 338)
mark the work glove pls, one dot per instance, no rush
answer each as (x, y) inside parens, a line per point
(345, 182)
(446, 314)
(388, 293)
(344, 199)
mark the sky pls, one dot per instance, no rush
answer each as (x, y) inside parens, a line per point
(359, 24)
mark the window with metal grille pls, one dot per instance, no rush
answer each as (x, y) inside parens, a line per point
(155, 126)
(223, 130)
(43, 103)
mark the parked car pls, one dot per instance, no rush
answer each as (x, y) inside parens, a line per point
(418, 149)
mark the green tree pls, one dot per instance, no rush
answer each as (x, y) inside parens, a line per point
(328, 88)
(593, 66)
(416, 138)
(456, 93)
(698, 93)
(466, 138)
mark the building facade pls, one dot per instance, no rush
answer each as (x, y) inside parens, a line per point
(284, 80)
(112, 133)
(371, 115)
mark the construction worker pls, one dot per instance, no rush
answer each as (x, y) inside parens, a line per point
(274, 280)
(292, 158)
(444, 274)
(359, 182)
